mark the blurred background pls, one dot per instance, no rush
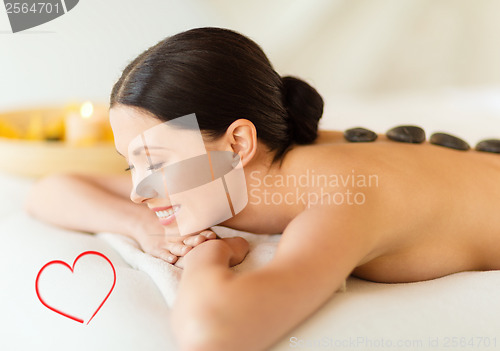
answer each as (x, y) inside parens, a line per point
(340, 46)
(375, 62)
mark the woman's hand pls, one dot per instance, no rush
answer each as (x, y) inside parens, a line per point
(171, 248)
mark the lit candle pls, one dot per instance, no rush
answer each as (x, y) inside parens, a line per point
(85, 127)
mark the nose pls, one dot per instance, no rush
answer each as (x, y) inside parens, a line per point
(136, 197)
(143, 192)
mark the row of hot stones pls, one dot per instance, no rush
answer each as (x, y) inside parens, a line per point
(416, 135)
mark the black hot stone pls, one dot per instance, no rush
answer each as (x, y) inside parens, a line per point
(489, 145)
(407, 134)
(448, 140)
(360, 135)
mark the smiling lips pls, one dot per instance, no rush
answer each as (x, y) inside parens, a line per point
(166, 215)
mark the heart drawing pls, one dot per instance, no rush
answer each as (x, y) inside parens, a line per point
(31, 13)
(84, 287)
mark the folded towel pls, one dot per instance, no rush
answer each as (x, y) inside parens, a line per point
(166, 276)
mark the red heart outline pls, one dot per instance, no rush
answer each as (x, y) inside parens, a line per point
(71, 269)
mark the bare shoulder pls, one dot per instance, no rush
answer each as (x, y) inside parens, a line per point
(329, 239)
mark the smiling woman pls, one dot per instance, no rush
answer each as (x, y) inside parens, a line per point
(182, 176)
(245, 109)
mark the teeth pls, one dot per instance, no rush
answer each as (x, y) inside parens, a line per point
(167, 213)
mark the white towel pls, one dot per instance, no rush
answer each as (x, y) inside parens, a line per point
(166, 276)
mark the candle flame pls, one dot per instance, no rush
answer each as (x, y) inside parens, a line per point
(87, 109)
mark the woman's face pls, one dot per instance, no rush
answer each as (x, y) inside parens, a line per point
(171, 170)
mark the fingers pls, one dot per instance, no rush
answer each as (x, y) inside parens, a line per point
(180, 262)
(199, 238)
(165, 255)
(209, 234)
(178, 249)
(195, 240)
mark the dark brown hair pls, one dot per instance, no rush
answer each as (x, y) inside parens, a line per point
(221, 76)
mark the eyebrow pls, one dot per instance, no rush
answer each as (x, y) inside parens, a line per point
(140, 148)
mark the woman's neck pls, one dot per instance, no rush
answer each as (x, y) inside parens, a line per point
(267, 210)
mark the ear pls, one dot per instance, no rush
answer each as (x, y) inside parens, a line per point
(241, 135)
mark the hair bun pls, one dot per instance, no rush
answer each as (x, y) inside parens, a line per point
(304, 106)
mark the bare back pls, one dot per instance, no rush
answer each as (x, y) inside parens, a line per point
(442, 203)
(439, 206)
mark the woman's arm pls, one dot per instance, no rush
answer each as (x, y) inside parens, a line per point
(90, 204)
(217, 309)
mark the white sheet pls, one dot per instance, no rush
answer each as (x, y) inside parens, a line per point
(464, 305)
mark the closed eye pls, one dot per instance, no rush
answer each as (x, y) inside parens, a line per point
(155, 166)
(129, 168)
